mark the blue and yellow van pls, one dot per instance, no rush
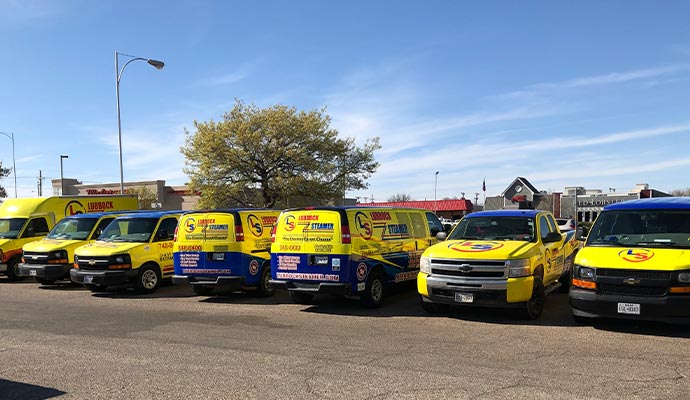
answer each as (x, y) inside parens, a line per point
(349, 250)
(635, 263)
(224, 249)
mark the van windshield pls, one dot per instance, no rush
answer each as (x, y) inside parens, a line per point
(129, 230)
(72, 229)
(495, 228)
(10, 227)
(642, 228)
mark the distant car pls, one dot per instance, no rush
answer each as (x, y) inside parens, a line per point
(565, 224)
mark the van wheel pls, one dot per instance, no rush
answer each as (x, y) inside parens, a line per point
(96, 288)
(301, 298)
(433, 308)
(263, 289)
(148, 280)
(45, 281)
(202, 290)
(535, 305)
(13, 270)
(374, 291)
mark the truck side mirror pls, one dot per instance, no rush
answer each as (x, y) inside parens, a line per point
(581, 233)
(552, 237)
(441, 236)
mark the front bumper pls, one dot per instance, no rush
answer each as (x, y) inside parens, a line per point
(503, 293)
(45, 271)
(335, 289)
(3, 267)
(225, 282)
(102, 278)
(670, 309)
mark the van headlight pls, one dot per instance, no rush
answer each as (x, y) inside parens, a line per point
(519, 268)
(425, 265)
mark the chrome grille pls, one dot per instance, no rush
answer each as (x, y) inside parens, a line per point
(479, 269)
(93, 263)
(32, 257)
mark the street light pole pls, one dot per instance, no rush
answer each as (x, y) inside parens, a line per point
(435, 185)
(118, 74)
(62, 179)
(14, 166)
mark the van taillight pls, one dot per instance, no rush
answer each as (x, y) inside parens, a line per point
(175, 236)
(345, 234)
(239, 233)
(273, 233)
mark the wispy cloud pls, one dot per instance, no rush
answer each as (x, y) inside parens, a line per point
(23, 11)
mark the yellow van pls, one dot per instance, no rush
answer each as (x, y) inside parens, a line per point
(25, 220)
(134, 249)
(50, 259)
(225, 249)
(349, 250)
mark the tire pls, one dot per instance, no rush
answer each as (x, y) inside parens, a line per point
(96, 288)
(565, 279)
(535, 305)
(433, 308)
(202, 290)
(45, 281)
(13, 270)
(301, 298)
(374, 291)
(148, 280)
(263, 289)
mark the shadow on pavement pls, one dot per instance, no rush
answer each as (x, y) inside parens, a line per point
(24, 391)
(165, 291)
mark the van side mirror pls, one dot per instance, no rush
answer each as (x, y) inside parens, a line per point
(447, 228)
(581, 233)
(441, 236)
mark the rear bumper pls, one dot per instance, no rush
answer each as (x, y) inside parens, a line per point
(226, 282)
(335, 289)
(45, 271)
(670, 309)
(102, 278)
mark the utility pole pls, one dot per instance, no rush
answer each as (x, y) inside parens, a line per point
(40, 183)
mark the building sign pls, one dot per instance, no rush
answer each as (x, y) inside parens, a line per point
(601, 201)
(96, 192)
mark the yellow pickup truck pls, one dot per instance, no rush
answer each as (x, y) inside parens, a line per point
(502, 258)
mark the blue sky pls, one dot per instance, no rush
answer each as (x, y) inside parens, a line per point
(593, 94)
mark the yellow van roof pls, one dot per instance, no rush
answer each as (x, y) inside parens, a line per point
(21, 207)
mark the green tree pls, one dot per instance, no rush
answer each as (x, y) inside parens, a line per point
(398, 197)
(4, 173)
(274, 157)
(145, 195)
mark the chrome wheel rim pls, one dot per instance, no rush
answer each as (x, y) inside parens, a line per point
(149, 279)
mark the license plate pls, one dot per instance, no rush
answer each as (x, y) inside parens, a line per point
(464, 297)
(628, 308)
(32, 272)
(88, 279)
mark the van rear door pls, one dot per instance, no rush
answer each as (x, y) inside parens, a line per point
(205, 242)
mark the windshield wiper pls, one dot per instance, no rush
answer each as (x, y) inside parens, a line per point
(468, 238)
(659, 243)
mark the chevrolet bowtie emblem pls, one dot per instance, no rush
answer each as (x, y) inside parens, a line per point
(631, 281)
(92, 262)
(465, 267)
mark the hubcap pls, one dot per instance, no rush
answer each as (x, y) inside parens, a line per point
(149, 279)
(376, 290)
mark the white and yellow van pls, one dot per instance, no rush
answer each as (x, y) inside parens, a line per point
(224, 249)
(25, 220)
(134, 249)
(349, 250)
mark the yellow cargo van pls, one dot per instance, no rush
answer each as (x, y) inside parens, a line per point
(134, 249)
(49, 260)
(25, 220)
(349, 251)
(635, 263)
(224, 249)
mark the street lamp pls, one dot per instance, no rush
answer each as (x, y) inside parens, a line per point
(118, 74)
(435, 185)
(14, 166)
(62, 180)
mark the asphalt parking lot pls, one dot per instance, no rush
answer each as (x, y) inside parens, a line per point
(66, 342)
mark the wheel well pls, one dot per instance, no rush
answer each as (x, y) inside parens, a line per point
(539, 271)
(153, 265)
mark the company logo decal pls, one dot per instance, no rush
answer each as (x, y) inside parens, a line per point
(74, 207)
(475, 247)
(189, 225)
(254, 224)
(363, 225)
(253, 267)
(361, 271)
(290, 223)
(636, 255)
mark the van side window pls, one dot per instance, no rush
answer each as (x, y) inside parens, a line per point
(36, 227)
(166, 230)
(101, 226)
(434, 223)
(418, 227)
